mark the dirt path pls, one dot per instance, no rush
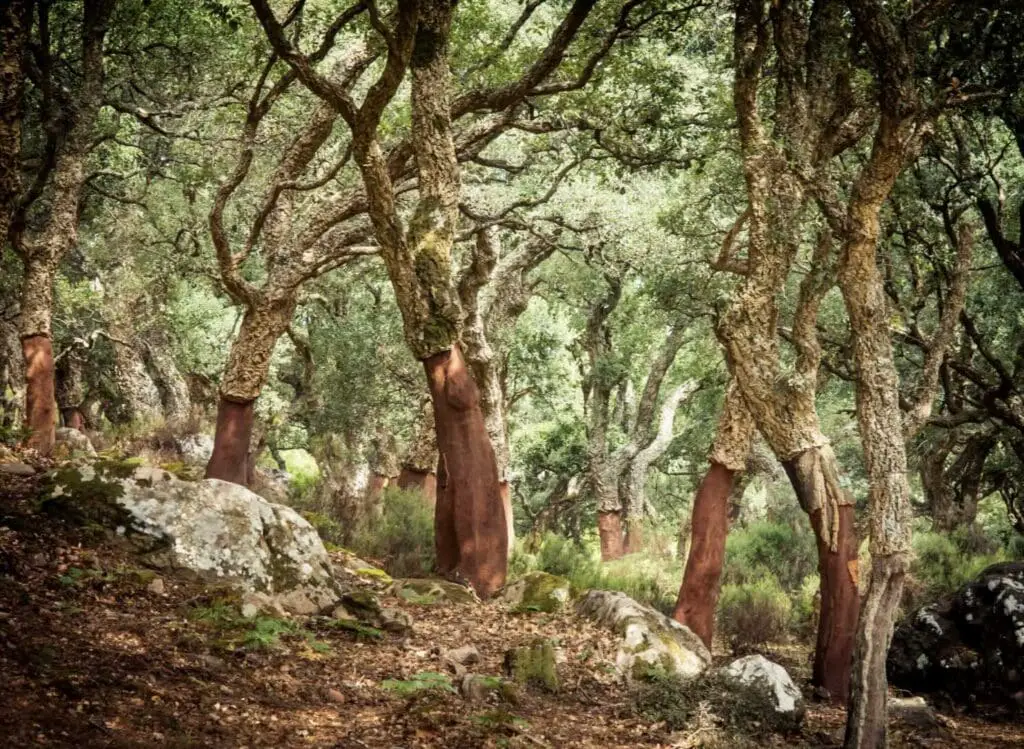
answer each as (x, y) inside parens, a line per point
(94, 652)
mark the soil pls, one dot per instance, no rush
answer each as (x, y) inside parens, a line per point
(95, 652)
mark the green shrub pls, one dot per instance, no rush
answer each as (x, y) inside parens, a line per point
(402, 537)
(807, 606)
(941, 565)
(753, 614)
(773, 548)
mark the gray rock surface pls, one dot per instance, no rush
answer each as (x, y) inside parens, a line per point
(770, 678)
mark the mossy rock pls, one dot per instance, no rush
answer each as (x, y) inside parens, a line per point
(426, 591)
(538, 591)
(374, 573)
(534, 665)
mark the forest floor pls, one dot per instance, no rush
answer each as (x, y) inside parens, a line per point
(95, 652)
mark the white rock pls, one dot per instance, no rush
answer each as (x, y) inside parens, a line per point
(758, 671)
(17, 469)
(649, 638)
(196, 449)
(76, 441)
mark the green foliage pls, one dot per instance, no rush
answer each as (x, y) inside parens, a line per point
(424, 681)
(752, 614)
(770, 548)
(402, 538)
(222, 616)
(941, 564)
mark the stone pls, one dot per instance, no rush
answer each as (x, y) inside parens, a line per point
(17, 469)
(537, 591)
(650, 640)
(481, 688)
(394, 620)
(156, 586)
(771, 679)
(968, 646)
(195, 449)
(218, 530)
(424, 591)
(457, 659)
(534, 665)
(76, 443)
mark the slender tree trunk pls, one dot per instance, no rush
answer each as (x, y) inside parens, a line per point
(709, 523)
(470, 525)
(15, 19)
(244, 377)
(37, 350)
(815, 479)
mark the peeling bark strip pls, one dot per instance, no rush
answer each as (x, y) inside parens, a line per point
(40, 405)
(470, 526)
(230, 459)
(702, 578)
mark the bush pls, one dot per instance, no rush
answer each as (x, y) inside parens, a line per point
(402, 537)
(807, 607)
(770, 548)
(941, 565)
(753, 614)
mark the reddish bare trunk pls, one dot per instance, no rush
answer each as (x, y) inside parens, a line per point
(634, 537)
(413, 479)
(470, 527)
(702, 577)
(40, 402)
(837, 570)
(506, 502)
(74, 418)
(230, 459)
(609, 528)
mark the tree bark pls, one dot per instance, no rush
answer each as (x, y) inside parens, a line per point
(609, 530)
(230, 458)
(815, 479)
(15, 21)
(470, 524)
(709, 521)
(40, 406)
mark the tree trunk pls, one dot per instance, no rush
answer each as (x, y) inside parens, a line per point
(244, 377)
(230, 458)
(419, 469)
(609, 529)
(70, 389)
(815, 479)
(15, 20)
(470, 525)
(506, 502)
(709, 521)
(40, 405)
(73, 418)
(702, 577)
(413, 479)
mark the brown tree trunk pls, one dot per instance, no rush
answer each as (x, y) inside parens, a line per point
(73, 418)
(634, 536)
(230, 459)
(40, 401)
(609, 529)
(702, 578)
(413, 479)
(470, 526)
(375, 491)
(814, 476)
(506, 502)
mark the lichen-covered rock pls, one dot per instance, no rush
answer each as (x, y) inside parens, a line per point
(196, 449)
(481, 688)
(17, 468)
(757, 672)
(537, 591)
(969, 646)
(535, 665)
(75, 442)
(426, 591)
(650, 640)
(213, 528)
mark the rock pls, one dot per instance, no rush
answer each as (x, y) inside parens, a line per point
(75, 442)
(215, 529)
(333, 695)
(480, 688)
(758, 672)
(156, 586)
(394, 620)
(458, 658)
(17, 469)
(967, 647)
(432, 591)
(537, 591)
(250, 610)
(270, 486)
(254, 603)
(195, 449)
(649, 638)
(534, 665)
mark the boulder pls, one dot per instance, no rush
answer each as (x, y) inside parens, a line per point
(17, 468)
(196, 449)
(457, 659)
(425, 591)
(771, 679)
(481, 688)
(969, 646)
(74, 442)
(650, 640)
(213, 528)
(537, 591)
